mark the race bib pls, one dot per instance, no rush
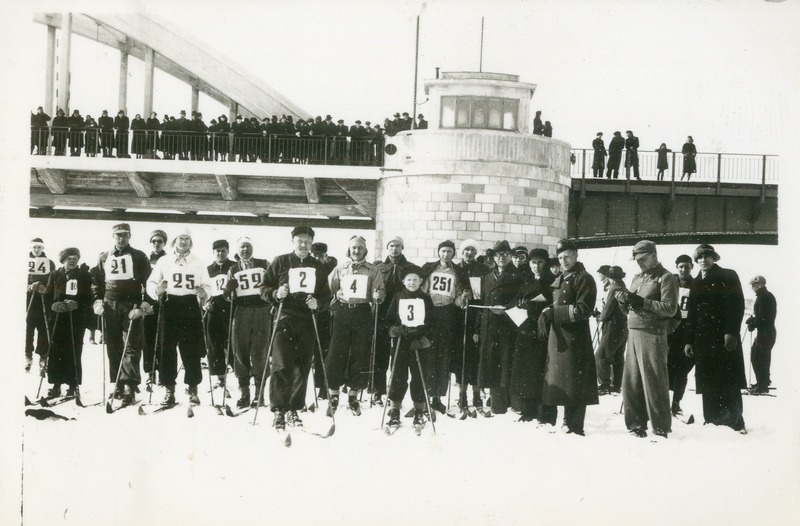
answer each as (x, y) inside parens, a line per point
(441, 284)
(218, 284)
(72, 287)
(250, 281)
(475, 285)
(303, 279)
(180, 282)
(683, 301)
(412, 312)
(38, 266)
(119, 267)
(354, 286)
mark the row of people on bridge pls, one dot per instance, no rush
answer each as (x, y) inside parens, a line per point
(511, 326)
(269, 140)
(630, 145)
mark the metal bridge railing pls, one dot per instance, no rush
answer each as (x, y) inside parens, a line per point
(711, 167)
(212, 146)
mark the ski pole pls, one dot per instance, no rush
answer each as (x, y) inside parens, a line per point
(75, 362)
(372, 356)
(260, 393)
(47, 325)
(208, 353)
(750, 365)
(228, 350)
(46, 359)
(321, 358)
(109, 408)
(158, 342)
(391, 376)
(103, 351)
(30, 302)
(425, 390)
(463, 385)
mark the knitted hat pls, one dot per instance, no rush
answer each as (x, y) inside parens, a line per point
(182, 232)
(616, 272)
(396, 239)
(704, 250)
(410, 269)
(467, 243)
(37, 242)
(603, 270)
(67, 252)
(446, 243)
(220, 243)
(319, 248)
(242, 240)
(158, 233)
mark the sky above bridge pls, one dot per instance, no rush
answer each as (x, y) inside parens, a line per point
(723, 72)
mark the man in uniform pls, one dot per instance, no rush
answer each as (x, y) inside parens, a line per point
(519, 256)
(631, 155)
(650, 303)
(764, 311)
(297, 284)
(217, 313)
(354, 284)
(39, 268)
(117, 284)
(158, 238)
(599, 159)
(570, 376)
(498, 332)
(678, 363)
(183, 278)
(251, 329)
(716, 309)
(449, 289)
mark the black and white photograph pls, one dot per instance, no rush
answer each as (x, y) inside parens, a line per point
(400, 262)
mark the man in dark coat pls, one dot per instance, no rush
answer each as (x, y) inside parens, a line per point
(538, 127)
(530, 353)
(599, 160)
(75, 134)
(217, 313)
(422, 124)
(610, 355)
(570, 375)
(716, 309)
(122, 124)
(615, 148)
(106, 124)
(39, 132)
(150, 349)
(631, 155)
(497, 331)
(764, 311)
(678, 364)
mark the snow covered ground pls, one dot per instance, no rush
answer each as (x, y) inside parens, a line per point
(126, 469)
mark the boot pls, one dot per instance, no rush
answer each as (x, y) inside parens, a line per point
(604, 389)
(354, 406)
(279, 422)
(192, 392)
(72, 391)
(128, 396)
(419, 417)
(377, 399)
(257, 398)
(244, 398)
(394, 416)
(169, 396)
(293, 420)
(28, 363)
(118, 390)
(676, 409)
(151, 380)
(333, 403)
(54, 391)
(437, 405)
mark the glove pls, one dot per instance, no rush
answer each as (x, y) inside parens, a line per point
(162, 287)
(730, 342)
(202, 295)
(135, 314)
(543, 324)
(71, 305)
(208, 306)
(595, 313)
(281, 292)
(751, 324)
(424, 342)
(312, 303)
(414, 345)
(395, 331)
(634, 300)
(687, 350)
(146, 308)
(59, 306)
(476, 338)
(231, 285)
(37, 287)
(98, 308)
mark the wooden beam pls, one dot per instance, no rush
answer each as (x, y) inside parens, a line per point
(54, 180)
(258, 207)
(228, 187)
(142, 183)
(312, 189)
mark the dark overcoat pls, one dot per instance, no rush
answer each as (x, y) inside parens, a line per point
(716, 308)
(530, 353)
(570, 374)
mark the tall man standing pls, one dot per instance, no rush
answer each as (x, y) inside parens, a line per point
(610, 357)
(570, 376)
(218, 312)
(299, 282)
(599, 159)
(678, 363)
(615, 148)
(117, 285)
(355, 283)
(158, 239)
(716, 309)
(39, 269)
(183, 278)
(650, 303)
(631, 155)
(764, 311)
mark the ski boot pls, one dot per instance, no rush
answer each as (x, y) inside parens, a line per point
(128, 396)
(676, 409)
(419, 418)
(279, 422)
(54, 391)
(118, 390)
(169, 396)
(244, 399)
(292, 419)
(151, 380)
(333, 403)
(394, 417)
(28, 363)
(377, 399)
(604, 389)
(192, 392)
(72, 391)
(437, 405)
(354, 406)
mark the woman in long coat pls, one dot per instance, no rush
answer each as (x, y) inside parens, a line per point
(69, 293)
(139, 127)
(689, 153)
(570, 373)
(713, 322)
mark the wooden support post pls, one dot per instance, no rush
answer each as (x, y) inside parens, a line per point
(149, 67)
(312, 189)
(123, 81)
(719, 172)
(50, 72)
(583, 173)
(142, 184)
(64, 52)
(195, 97)
(228, 187)
(763, 179)
(54, 180)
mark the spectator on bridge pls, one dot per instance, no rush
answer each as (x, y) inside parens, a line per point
(763, 318)
(422, 124)
(662, 163)
(122, 123)
(139, 139)
(91, 137)
(221, 143)
(615, 148)
(180, 127)
(40, 135)
(538, 127)
(75, 133)
(599, 160)
(106, 134)
(60, 129)
(689, 153)
(631, 155)
(199, 138)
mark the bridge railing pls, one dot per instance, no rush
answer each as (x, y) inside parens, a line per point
(209, 146)
(710, 167)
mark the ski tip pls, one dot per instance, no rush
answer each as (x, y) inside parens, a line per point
(228, 411)
(141, 411)
(109, 408)
(690, 420)
(219, 410)
(28, 401)
(78, 402)
(43, 402)
(189, 412)
(288, 440)
(332, 430)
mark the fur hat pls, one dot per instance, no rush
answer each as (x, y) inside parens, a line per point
(67, 252)
(704, 250)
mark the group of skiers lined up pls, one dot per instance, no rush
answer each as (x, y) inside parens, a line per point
(514, 325)
(630, 144)
(246, 140)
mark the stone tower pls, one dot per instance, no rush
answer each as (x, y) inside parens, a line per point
(476, 172)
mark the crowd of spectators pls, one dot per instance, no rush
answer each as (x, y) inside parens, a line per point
(272, 139)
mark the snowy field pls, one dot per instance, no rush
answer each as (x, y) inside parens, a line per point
(127, 469)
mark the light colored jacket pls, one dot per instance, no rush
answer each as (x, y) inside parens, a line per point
(659, 288)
